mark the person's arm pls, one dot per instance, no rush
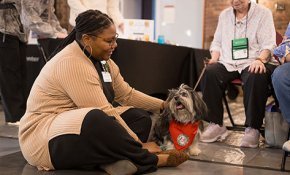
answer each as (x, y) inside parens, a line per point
(215, 55)
(76, 6)
(31, 19)
(128, 96)
(114, 12)
(215, 47)
(266, 36)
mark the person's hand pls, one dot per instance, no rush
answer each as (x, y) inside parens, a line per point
(287, 57)
(61, 35)
(283, 60)
(257, 66)
(215, 55)
(152, 147)
(164, 105)
(212, 61)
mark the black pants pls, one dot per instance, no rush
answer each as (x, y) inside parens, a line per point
(103, 140)
(47, 46)
(13, 77)
(256, 89)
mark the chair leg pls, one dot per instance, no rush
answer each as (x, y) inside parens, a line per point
(228, 110)
(285, 155)
(234, 126)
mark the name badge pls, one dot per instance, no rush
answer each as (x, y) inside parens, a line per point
(106, 76)
(240, 49)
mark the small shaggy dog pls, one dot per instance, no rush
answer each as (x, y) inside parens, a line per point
(178, 125)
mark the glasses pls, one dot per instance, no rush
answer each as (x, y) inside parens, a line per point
(111, 42)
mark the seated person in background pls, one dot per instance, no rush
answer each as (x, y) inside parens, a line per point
(80, 103)
(281, 79)
(110, 7)
(39, 17)
(241, 48)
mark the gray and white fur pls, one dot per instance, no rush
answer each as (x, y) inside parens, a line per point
(184, 105)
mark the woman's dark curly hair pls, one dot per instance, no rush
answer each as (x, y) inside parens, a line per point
(88, 22)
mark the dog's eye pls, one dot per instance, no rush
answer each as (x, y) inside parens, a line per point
(184, 94)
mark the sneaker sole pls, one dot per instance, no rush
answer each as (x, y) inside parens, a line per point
(250, 146)
(218, 138)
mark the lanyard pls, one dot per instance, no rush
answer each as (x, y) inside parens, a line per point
(107, 86)
(246, 22)
(246, 27)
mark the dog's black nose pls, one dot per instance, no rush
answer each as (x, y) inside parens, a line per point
(176, 98)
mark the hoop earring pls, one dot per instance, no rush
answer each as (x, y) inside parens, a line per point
(91, 49)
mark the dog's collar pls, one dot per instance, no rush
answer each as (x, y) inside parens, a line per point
(182, 135)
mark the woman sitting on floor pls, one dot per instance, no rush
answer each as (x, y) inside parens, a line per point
(82, 114)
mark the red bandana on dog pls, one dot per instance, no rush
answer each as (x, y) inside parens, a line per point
(182, 134)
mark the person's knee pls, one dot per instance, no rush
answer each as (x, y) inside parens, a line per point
(147, 122)
(256, 78)
(142, 121)
(279, 76)
(145, 118)
(211, 70)
(276, 77)
(210, 75)
(95, 116)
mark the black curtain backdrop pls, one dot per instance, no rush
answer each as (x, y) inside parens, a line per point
(148, 67)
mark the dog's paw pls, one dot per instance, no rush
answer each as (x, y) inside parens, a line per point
(194, 152)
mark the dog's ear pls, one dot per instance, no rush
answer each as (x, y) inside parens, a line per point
(171, 93)
(186, 87)
(199, 106)
(166, 113)
(161, 128)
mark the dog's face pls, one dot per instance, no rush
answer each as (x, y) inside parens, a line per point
(185, 105)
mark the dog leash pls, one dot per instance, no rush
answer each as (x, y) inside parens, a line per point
(202, 72)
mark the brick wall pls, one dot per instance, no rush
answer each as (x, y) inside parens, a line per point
(281, 17)
(214, 7)
(62, 13)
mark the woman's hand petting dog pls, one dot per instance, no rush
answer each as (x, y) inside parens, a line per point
(152, 147)
(163, 106)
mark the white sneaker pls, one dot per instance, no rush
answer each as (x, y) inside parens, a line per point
(251, 138)
(213, 133)
(13, 123)
(286, 146)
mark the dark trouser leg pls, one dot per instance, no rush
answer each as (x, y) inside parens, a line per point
(13, 77)
(213, 86)
(281, 83)
(102, 141)
(49, 45)
(256, 89)
(139, 121)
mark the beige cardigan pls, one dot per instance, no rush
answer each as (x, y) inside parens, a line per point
(67, 88)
